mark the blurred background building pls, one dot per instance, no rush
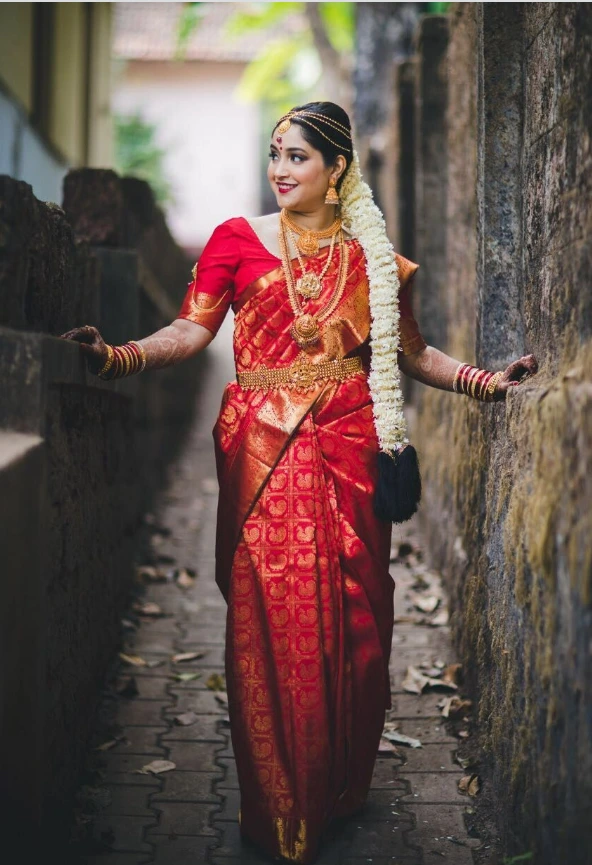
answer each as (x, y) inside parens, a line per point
(55, 91)
(179, 94)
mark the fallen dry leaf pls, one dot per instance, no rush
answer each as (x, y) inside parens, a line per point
(216, 682)
(453, 706)
(466, 762)
(187, 656)
(430, 670)
(439, 619)
(128, 625)
(463, 734)
(185, 577)
(401, 739)
(150, 574)
(452, 673)
(425, 603)
(186, 677)
(133, 660)
(415, 682)
(186, 719)
(156, 767)
(111, 743)
(222, 699)
(147, 608)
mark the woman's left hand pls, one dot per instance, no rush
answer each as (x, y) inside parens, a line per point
(515, 373)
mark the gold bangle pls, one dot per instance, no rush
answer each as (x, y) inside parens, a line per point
(142, 352)
(109, 362)
(456, 377)
(492, 385)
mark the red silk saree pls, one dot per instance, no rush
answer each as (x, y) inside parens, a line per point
(300, 558)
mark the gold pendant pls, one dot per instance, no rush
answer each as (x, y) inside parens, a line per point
(309, 285)
(308, 243)
(305, 330)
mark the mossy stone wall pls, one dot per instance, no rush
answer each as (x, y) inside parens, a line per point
(508, 496)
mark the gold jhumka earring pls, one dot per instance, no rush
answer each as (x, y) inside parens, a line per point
(332, 196)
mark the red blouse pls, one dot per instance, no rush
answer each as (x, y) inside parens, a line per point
(234, 257)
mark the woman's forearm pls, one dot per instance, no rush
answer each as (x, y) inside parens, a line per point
(430, 366)
(174, 343)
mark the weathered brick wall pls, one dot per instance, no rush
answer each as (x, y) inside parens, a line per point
(508, 498)
(80, 460)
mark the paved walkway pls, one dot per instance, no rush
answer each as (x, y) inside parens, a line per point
(189, 815)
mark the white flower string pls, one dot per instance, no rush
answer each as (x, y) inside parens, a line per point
(364, 221)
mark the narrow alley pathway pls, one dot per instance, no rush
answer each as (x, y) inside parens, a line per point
(162, 709)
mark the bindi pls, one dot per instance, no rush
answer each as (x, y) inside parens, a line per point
(279, 141)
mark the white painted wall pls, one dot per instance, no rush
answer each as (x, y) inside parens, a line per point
(25, 156)
(211, 139)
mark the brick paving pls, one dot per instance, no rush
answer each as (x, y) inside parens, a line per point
(414, 814)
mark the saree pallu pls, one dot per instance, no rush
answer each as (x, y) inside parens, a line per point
(303, 564)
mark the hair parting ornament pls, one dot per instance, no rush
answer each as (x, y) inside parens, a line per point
(314, 119)
(398, 489)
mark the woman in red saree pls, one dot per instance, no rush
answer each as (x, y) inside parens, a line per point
(301, 558)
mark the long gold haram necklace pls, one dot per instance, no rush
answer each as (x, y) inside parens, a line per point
(308, 240)
(305, 330)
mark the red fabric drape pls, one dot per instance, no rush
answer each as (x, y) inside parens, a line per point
(301, 559)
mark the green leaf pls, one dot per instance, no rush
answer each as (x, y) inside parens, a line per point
(340, 23)
(259, 16)
(137, 155)
(189, 20)
(261, 77)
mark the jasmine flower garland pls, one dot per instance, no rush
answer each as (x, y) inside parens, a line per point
(364, 221)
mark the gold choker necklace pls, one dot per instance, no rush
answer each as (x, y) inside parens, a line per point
(308, 240)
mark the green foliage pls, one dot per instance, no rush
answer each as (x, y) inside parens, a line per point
(513, 860)
(137, 155)
(258, 16)
(189, 20)
(437, 8)
(340, 23)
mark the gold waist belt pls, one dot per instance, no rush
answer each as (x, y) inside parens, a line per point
(300, 374)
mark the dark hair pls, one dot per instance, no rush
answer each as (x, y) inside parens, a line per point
(329, 150)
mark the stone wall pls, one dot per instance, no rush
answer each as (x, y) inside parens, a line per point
(80, 460)
(508, 488)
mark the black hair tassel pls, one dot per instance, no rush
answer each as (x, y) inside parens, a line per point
(398, 490)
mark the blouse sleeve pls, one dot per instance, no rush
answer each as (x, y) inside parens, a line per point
(411, 339)
(209, 296)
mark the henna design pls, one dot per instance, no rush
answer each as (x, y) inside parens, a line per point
(174, 343)
(430, 366)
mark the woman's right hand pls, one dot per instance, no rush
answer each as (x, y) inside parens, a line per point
(92, 345)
